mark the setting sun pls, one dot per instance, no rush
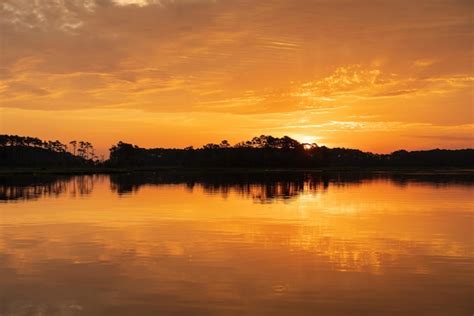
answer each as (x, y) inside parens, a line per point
(386, 75)
(307, 139)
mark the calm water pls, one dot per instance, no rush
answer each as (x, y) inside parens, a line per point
(236, 245)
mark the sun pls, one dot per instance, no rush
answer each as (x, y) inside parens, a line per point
(307, 139)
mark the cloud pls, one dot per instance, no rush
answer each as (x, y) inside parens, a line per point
(398, 61)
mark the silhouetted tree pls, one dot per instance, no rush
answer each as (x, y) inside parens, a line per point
(268, 151)
(224, 144)
(31, 151)
(263, 151)
(73, 143)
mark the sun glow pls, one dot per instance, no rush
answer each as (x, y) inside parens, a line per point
(307, 139)
(175, 73)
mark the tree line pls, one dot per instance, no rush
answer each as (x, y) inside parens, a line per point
(263, 151)
(273, 152)
(82, 149)
(26, 151)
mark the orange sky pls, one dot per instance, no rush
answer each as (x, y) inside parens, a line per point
(375, 75)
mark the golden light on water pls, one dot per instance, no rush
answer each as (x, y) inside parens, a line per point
(99, 243)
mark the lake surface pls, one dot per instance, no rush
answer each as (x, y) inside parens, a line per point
(262, 244)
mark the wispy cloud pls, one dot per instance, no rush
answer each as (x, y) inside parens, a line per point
(336, 65)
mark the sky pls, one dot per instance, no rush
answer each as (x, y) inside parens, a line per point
(375, 75)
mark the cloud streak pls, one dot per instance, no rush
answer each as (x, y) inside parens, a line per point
(401, 61)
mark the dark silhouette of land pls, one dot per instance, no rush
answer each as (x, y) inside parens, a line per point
(31, 152)
(264, 152)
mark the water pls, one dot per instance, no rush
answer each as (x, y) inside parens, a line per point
(281, 244)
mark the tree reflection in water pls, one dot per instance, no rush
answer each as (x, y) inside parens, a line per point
(261, 186)
(23, 187)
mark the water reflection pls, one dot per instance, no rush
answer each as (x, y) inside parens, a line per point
(161, 244)
(261, 186)
(27, 187)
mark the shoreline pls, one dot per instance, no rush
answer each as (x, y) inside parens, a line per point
(207, 170)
